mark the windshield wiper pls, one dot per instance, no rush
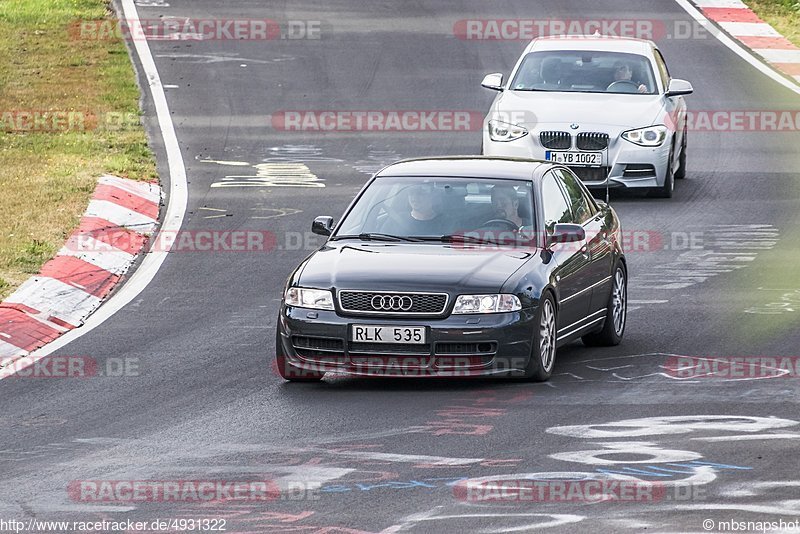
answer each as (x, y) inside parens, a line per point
(461, 238)
(371, 236)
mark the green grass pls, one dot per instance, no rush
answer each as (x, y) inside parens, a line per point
(47, 177)
(783, 15)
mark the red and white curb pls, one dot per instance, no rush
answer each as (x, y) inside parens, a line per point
(121, 215)
(745, 26)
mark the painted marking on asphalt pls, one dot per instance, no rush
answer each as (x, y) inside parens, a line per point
(749, 437)
(725, 248)
(284, 174)
(280, 212)
(401, 458)
(376, 160)
(298, 153)
(221, 58)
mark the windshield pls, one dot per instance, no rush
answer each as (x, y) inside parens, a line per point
(585, 72)
(479, 209)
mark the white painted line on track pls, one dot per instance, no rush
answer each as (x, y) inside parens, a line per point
(177, 201)
(735, 46)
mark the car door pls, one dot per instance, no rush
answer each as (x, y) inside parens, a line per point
(572, 259)
(598, 241)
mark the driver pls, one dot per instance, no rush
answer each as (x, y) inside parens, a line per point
(506, 203)
(624, 73)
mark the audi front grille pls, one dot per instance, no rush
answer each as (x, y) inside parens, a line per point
(556, 140)
(592, 141)
(392, 303)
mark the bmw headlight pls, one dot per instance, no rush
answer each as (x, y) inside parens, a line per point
(318, 299)
(486, 304)
(503, 131)
(650, 136)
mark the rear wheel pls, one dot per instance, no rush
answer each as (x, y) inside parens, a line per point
(288, 372)
(616, 313)
(543, 352)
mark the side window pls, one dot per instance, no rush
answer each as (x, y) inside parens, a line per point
(662, 69)
(582, 208)
(556, 208)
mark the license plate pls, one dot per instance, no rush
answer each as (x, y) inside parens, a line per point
(407, 335)
(588, 159)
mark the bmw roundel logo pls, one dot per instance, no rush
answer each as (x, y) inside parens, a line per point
(391, 302)
(574, 126)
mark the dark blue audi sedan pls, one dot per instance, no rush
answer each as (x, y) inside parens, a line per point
(456, 267)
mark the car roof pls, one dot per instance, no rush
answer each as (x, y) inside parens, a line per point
(466, 167)
(598, 43)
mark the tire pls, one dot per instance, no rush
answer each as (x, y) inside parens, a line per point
(290, 373)
(543, 352)
(681, 173)
(616, 313)
(666, 190)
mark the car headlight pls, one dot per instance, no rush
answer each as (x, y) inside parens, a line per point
(318, 299)
(650, 136)
(503, 131)
(486, 304)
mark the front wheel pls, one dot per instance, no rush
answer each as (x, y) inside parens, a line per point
(666, 190)
(616, 314)
(543, 352)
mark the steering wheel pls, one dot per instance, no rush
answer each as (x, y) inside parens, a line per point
(624, 86)
(511, 224)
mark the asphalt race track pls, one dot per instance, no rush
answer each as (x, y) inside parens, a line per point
(377, 455)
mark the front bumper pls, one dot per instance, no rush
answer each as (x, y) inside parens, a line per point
(456, 346)
(630, 165)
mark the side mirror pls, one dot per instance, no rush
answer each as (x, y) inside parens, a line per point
(493, 81)
(566, 233)
(322, 226)
(679, 87)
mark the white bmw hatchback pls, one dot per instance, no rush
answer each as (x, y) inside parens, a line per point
(604, 106)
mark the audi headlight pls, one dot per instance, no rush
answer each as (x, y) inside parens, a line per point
(318, 299)
(650, 136)
(486, 304)
(503, 131)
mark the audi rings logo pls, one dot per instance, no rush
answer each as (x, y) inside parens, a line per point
(391, 303)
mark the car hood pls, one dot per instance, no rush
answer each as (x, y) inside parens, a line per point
(542, 110)
(425, 267)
